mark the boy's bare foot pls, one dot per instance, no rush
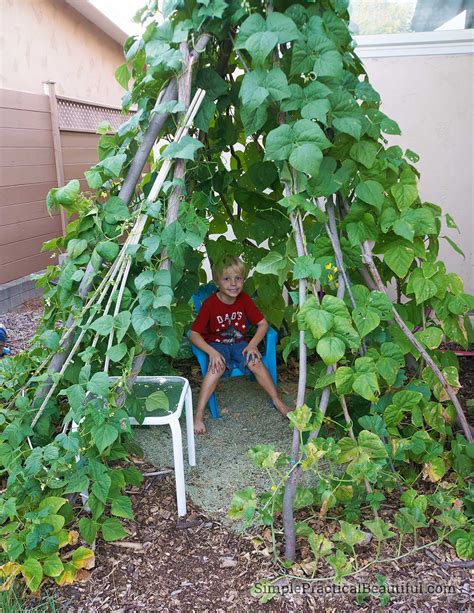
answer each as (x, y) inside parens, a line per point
(283, 408)
(199, 427)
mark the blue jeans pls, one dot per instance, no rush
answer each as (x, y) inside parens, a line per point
(233, 356)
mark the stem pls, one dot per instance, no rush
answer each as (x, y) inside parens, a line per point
(368, 259)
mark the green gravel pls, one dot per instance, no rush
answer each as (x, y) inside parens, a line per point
(223, 465)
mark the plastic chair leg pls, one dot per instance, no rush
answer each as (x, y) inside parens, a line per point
(188, 406)
(213, 406)
(178, 467)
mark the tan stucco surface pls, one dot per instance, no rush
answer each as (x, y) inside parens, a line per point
(43, 40)
(431, 98)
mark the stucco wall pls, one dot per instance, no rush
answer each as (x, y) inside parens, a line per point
(43, 40)
(431, 98)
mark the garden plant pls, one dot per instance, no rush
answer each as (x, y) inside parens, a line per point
(265, 124)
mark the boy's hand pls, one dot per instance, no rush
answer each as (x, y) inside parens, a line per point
(216, 361)
(251, 353)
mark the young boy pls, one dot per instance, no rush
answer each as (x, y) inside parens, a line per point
(220, 331)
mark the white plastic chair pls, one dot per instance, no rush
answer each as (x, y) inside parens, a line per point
(178, 392)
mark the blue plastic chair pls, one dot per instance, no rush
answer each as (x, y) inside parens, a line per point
(269, 358)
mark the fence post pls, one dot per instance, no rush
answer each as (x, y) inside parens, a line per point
(58, 154)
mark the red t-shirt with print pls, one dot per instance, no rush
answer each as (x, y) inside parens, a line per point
(218, 322)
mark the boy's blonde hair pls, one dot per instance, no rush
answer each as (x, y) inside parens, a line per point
(227, 261)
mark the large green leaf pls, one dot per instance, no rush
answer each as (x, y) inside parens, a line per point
(399, 258)
(32, 571)
(306, 158)
(364, 152)
(319, 322)
(99, 384)
(366, 385)
(271, 264)
(184, 149)
(112, 530)
(103, 436)
(371, 192)
(260, 44)
(404, 195)
(141, 320)
(366, 320)
(331, 349)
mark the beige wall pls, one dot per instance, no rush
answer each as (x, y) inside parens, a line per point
(431, 98)
(43, 40)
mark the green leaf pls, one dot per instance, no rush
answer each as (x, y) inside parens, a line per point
(103, 325)
(348, 125)
(76, 247)
(344, 379)
(317, 109)
(32, 571)
(366, 385)
(50, 339)
(279, 143)
(371, 192)
(103, 436)
(434, 470)
(113, 165)
(99, 384)
(185, 149)
(331, 349)
(141, 321)
(350, 534)
(364, 152)
(380, 529)
(67, 195)
(171, 341)
(122, 507)
(108, 250)
(122, 75)
(388, 368)
(88, 529)
(430, 337)
(465, 546)
(305, 266)
(283, 26)
(259, 45)
(101, 487)
(306, 158)
(371, 444)
(271, 264)
(404, 195)
(52, 566)
(122, 323)
(117, 352)
(320, 545)
(115, 210)
(366, 320)
(112, 530)
(319, 322)
(157, 401)
(399, 258)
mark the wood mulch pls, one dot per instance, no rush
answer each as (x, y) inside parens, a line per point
(200, 565)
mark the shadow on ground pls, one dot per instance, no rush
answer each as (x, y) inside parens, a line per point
(223, 465)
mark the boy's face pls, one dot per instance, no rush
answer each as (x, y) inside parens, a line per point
(230, 282)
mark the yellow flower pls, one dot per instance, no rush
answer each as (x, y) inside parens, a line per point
(328, 266)
(274, 488)
(334, 269)
(330, 277)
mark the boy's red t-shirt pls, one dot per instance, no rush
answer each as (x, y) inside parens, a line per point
(218, 322)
